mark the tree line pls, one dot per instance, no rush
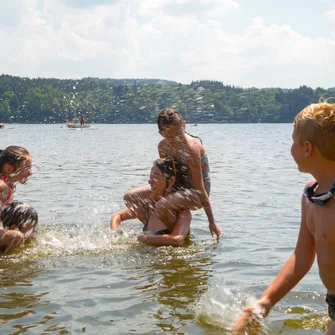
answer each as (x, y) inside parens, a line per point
(43, 100)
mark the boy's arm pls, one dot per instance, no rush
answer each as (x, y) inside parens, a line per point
(177, 237)
(292, 272)
(123, 215)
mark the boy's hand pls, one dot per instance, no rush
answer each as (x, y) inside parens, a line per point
(243, 324)
(250, 321)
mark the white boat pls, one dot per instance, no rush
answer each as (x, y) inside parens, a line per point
(77, 125)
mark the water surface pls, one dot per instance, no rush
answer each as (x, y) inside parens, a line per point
(82, 278)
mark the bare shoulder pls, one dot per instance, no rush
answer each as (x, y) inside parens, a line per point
(162, 145)
(3, 191)
(310, 183)
(196, 146)
(3, 186)
(304, 200)
(196, 150)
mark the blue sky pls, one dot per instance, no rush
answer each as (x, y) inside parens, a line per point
(246, 43)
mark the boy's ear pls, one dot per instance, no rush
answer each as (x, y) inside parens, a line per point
(309, 149)
(8, 168)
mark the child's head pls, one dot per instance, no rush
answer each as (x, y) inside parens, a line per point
(16, 163)
(166, 174)
(168, 119)
(316, 124)
(20, 216)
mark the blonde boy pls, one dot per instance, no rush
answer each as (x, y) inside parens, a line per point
(313, 150)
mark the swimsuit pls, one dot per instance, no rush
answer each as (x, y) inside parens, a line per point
(205, 173)
(9, 197)
(159, 232)
(330, 300)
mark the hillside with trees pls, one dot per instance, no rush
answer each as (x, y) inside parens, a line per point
(42, 100)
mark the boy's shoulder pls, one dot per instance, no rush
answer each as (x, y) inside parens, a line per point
(310, 183)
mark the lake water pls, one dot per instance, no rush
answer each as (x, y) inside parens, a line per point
(82, 278)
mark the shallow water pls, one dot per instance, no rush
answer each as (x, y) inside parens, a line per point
(82, 278)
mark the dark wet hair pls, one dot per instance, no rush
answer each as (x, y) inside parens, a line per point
(170, 116)
(13, 155)
(18, 214)
(171, 167)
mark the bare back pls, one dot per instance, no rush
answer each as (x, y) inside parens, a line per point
(189, 152)
(321, 224)
(181, 152)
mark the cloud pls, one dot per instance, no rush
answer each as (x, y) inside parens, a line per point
(87, 3)
(177, 40)
(330, 14)
(199, 8)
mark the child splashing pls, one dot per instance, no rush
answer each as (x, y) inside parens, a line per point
(15, 167)
(186, 150)
(19, 222)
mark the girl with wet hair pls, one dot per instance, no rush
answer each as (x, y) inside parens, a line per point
(15, 167)
(166, 177)
(189, 153)
(19, 222)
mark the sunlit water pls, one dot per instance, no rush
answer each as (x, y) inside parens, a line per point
(82, 278)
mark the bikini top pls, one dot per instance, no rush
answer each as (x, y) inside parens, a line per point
(10, 192)
(204, 167)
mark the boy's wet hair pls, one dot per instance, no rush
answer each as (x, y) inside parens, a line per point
(13, 155)
(316, 124)
(18, 214)
(171, 167)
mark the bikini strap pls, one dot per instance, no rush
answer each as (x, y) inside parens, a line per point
(4, 178)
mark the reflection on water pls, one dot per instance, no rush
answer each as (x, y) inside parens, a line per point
(175, 282)
(22, 307)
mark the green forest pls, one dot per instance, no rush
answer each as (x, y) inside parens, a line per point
(43, 100)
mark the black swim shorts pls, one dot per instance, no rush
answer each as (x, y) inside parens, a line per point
(330, 300)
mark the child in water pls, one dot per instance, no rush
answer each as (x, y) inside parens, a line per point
(15, 167)
(19, 222)
(166, 178)
(313, 150)
(188, 152)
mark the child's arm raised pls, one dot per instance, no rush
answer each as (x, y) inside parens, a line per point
(120, 216)
(289, 276)
(178, 235)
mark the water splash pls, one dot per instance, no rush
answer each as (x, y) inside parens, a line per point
(220, 307)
